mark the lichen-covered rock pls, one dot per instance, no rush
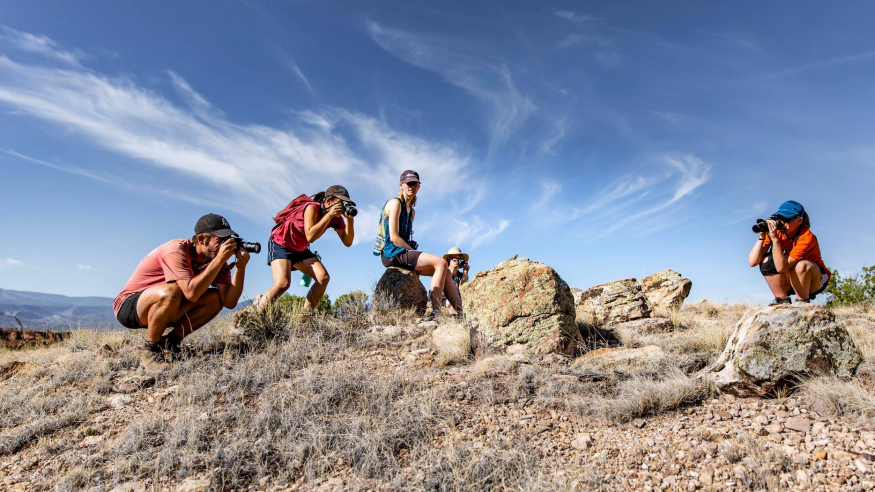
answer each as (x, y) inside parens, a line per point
(521, 304)
(774, 345)
(613, 302)
(666, 289)
(400, 289)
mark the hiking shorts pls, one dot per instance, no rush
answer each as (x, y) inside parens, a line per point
(405, 259)
(277, 252)
(127, 314)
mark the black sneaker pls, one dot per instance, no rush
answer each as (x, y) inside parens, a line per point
(780, 300)
(803, 301)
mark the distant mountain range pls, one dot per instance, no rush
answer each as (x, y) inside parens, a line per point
(52, 312)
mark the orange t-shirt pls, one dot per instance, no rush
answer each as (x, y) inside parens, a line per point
(805, 247)
(167, 263)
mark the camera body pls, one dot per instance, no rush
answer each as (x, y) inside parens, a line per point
(461, 262)
(761, 225)
(241, 244)
(350, 209)
(413, 244)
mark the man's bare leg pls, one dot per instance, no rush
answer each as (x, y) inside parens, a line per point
(193, 315)
(779, 284)
(157, 307)
(436, 268)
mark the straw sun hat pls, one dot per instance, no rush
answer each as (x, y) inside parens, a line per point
(455, 253)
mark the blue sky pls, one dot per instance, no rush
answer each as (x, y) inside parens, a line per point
(607, 139)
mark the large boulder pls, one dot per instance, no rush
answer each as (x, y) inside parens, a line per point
(773, 346)
(521, 305)
(666, 289)
(400, 289)
(614, 302)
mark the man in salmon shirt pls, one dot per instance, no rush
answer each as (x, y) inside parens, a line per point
(796, 266)
(182, 284)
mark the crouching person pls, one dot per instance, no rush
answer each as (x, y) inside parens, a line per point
(457, 262)
(788, 255)
(182, 285)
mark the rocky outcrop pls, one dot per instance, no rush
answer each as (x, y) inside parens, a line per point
(521, 305)
(617, 357)
(19, 339)
(613, 302)
(666, 289)
(773, 346)
(400, 289)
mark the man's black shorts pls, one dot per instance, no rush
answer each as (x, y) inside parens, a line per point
(277, 252)
(127, 314)
(405, 259)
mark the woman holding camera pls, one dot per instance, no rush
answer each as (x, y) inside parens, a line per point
(795, 266)
(304, 220)
(457, 262)
(396, 248)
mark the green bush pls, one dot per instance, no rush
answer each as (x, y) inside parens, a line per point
(353, 303)
(856, 289)
(296, 303)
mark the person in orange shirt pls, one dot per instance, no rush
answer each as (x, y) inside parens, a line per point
(796, 266)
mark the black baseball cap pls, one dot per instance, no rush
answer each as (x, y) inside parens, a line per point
(340, 192)
(409, 176)
(215, 225)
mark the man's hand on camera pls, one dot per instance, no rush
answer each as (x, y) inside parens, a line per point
(242, 257)
(773, 228)
(227, 250)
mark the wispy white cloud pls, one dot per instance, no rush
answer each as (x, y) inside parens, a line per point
(296, 71)
(10, 262)
(647, 202)
(477, 231)
(548, 210)
(487, 79)
(40, 45)
(822, 64)
(256, 169)
(83, 267)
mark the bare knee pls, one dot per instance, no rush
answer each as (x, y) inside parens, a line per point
(284, 284)
(322, 278)
(441, 264)
(212, 300)
(169, 295)
(803, 267)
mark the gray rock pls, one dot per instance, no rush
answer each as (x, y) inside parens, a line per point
(614, 302)
(773, 346)
(646, 325)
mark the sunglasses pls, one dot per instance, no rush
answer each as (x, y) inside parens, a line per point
(413, 184)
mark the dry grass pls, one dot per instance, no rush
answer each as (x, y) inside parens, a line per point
(452, 342)
(309, 399)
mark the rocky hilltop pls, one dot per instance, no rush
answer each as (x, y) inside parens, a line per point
(685, 397)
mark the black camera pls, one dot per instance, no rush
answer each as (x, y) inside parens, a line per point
(413, 244)
(461, 262)
(350, 209)
(241, 244)
(761, 225)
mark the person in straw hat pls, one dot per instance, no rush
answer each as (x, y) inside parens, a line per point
(457, 263)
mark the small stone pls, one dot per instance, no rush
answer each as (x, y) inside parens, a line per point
(762, 420)
(193, 485)
(798, 424)
(862, 467)
(803, 478)
(119, 401)
(820, 454)
(802, 459)
(782, 414)
(582, 442)
(774, 428)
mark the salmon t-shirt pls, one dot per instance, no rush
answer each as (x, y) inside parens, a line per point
(805, 247)
(167, 263)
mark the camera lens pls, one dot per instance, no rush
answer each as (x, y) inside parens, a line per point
(251, 247)
(350, 209)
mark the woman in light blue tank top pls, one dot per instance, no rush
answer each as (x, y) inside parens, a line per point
(396, 248)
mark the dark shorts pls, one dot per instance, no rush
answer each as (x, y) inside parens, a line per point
(127, 314)
(406, 259)
(277, 252)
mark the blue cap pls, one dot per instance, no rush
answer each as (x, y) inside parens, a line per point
(790, 210)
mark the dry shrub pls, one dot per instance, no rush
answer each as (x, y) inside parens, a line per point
(495, 365)
(829, 394)
(452, 342)
(640, 397)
